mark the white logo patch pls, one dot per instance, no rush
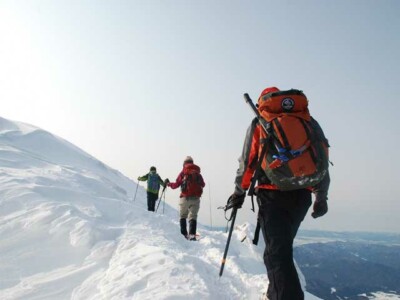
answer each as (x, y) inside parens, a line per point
(287, 104)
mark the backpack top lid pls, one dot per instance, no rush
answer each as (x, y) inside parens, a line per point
(273, 103)
(190, 168)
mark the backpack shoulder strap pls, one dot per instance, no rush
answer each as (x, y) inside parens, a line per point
(258, 168)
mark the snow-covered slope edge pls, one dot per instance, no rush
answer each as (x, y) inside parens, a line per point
(69, 230)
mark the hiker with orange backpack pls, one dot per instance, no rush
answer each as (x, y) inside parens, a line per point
(192, 184)
(286, 153)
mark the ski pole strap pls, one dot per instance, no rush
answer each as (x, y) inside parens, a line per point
(252, 203)
(257, 233)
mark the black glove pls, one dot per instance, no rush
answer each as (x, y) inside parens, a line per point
(235, 201)
(166, 181)
(320, 208)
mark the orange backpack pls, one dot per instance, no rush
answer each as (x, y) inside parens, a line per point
(296, 149)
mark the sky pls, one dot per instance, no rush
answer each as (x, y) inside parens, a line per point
(160, 80)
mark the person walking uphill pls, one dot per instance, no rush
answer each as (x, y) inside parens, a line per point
(153, 187)
(192, 184)
(286, 152)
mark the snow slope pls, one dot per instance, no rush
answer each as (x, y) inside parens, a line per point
(70, 230)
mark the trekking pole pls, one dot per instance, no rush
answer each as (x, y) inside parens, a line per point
(209, 196)
(162, 193)
(137, 186)
(163, 207)
(233, 218)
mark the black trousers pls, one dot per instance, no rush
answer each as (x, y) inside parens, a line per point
(151, 201)
(280, 216)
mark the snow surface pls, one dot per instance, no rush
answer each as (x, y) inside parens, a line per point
(70, 230)
(383, 296)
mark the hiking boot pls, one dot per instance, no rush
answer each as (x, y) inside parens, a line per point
(183, 227)
(192, 237)
(192, 227)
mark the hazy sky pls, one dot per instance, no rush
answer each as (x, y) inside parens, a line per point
(142, 83)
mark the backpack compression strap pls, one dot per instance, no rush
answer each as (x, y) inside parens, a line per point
(285, 153)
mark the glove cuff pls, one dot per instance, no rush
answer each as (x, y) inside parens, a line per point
(321, 197)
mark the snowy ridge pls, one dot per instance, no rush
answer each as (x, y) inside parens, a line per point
(69, 230)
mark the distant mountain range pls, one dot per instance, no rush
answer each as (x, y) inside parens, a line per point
(349, 265)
